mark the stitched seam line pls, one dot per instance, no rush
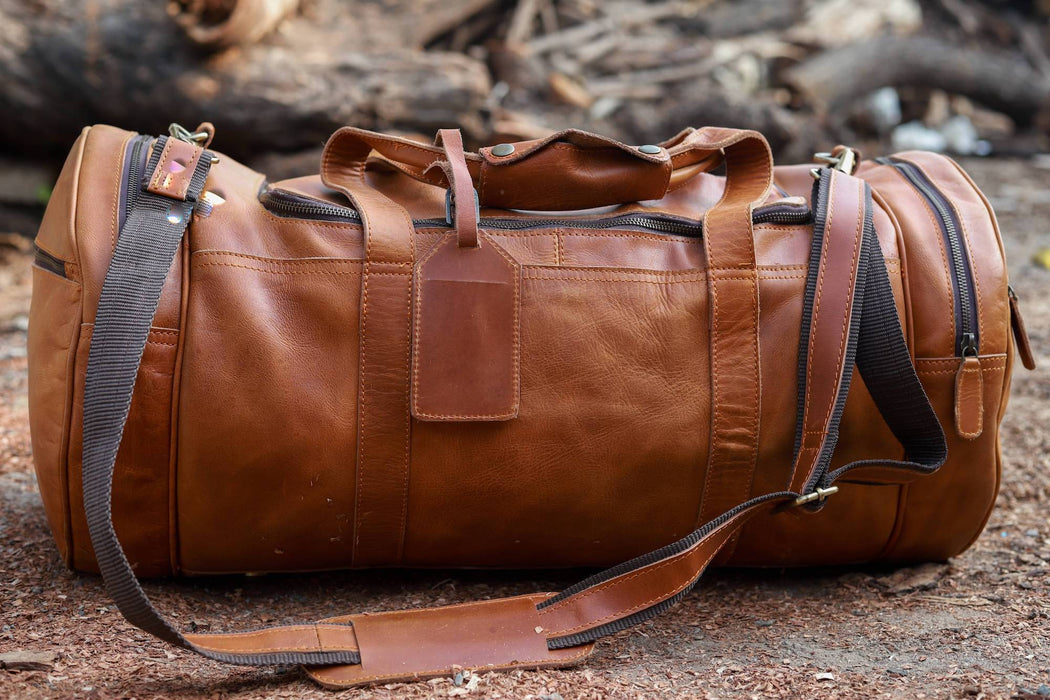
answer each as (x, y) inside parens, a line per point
(282, 272)
(857, 233)
(980, 405)
(967, 250)
(417, 326)
(563, 661)
(640, 606)
(954, 361)
(953, 371)
(935, 226)
(243, 636)
(698, 278)
(362, 411)
(118, 176)
(408, 425)
(159, 170)
(279, 261)
(516, 364)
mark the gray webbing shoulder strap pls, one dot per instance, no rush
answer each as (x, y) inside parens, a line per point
(148, 241)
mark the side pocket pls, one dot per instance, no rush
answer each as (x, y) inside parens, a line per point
(54, 329)
(946, 511)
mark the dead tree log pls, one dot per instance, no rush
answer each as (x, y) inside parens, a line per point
(66, 63)
(832, 79)
(793, 136)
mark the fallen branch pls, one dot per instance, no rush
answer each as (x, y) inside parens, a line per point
(833, 79)
(239, 22)
(76, 62)
(573, 36)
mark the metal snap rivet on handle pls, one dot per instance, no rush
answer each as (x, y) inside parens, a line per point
(503, 149)
(649, 149)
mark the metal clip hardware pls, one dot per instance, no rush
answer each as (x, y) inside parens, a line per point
(818, 495)
(845, 160)
(181, 133)
(450, 207)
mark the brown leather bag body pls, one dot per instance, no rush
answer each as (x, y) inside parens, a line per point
(566, 352)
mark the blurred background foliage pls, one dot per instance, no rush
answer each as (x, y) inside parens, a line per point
(276, 77)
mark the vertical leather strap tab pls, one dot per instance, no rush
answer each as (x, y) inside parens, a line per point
(969, 398)
(384, 354)
(463, 199)
(383, 420)
(733, 298)
(841, 210)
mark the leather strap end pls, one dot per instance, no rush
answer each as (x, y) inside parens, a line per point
(174, 171)
(418, 644)
(308, 638)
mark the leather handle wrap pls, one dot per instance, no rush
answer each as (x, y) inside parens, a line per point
(568, 170)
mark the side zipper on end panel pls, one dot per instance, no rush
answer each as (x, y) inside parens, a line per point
(967, 335)
(131, 183)
(969, 384)
(49, 262)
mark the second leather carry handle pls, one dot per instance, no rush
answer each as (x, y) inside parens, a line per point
(568, 170)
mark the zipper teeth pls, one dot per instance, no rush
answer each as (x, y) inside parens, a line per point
(49, 262)
(967, 336)
(134, 174)
(275, 202)
(787, 214)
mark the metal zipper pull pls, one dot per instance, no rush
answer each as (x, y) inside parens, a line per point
(968, 345)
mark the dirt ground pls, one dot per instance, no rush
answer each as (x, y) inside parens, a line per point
(976, 627)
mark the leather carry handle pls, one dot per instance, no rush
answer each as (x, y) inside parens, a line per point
(568, 170)
(526, 631)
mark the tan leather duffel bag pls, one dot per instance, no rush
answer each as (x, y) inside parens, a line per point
(562, 352)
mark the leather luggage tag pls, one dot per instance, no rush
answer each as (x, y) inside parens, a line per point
(465, 353)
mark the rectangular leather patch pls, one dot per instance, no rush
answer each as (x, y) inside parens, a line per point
(465, 359)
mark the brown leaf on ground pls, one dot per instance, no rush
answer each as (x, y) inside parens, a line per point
(917, 578)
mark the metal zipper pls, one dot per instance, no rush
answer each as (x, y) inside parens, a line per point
(282, 202)
(49, 262)
(967, 335)
(135, 166)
